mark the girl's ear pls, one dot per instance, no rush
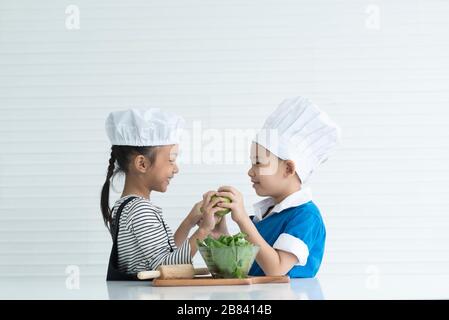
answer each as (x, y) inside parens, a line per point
(290, 168)
(141, 163)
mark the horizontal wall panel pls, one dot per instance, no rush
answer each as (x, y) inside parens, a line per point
(225, 66)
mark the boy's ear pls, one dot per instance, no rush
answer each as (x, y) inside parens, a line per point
(290, 168)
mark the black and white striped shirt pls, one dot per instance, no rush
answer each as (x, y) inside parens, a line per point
(143, 242)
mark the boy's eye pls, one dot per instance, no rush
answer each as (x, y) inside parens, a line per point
(256, 161)
(262, 162)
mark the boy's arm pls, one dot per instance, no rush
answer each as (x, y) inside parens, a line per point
(273, 262)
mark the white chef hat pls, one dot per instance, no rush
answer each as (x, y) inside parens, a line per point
(144, 127)
(299, 131)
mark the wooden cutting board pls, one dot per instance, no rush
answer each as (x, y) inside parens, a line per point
(209, 281)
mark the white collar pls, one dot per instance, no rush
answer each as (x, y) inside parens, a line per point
(295, 199)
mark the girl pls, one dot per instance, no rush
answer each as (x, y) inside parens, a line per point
(144, 148)
(288, 225)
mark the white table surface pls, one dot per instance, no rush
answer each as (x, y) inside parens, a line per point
(323, 287)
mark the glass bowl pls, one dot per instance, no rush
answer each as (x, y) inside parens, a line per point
(229, 262)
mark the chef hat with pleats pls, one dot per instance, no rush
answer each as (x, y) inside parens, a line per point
(299, 131)
(144, 127)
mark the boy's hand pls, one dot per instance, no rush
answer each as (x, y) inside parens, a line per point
(237, 208)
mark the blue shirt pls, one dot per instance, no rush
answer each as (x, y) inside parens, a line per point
(299, 230)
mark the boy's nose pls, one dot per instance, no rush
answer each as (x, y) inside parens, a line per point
(251, 172)
(176, 169)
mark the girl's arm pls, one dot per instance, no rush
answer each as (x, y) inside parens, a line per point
(272, 261)
(195, 217)
(207, 224)
(187, 224)
(199, 234)
(183, 231)
(206, 221)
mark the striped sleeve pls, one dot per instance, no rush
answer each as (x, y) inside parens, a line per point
(152, 238)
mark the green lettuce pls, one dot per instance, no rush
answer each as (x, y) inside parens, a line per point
(228, 256)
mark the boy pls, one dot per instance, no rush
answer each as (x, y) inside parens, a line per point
(295, 139)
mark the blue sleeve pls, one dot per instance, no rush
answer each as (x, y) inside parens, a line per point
(305, 228)
(299, 236)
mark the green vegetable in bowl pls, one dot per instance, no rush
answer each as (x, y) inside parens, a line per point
(225, 241)
(228, 256)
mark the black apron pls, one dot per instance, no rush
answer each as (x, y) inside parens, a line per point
(113, 273)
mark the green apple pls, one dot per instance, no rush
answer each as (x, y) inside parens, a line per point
(225, 211)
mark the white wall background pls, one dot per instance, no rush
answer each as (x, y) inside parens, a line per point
(379, 68)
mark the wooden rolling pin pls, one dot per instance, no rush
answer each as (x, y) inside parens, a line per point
(173, 271)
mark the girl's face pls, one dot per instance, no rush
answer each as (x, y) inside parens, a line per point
(163, 169)
(266, 172)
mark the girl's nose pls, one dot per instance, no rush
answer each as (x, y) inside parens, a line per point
(176, 169)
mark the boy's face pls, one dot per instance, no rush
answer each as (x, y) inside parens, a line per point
(164, 168)
(266, 172)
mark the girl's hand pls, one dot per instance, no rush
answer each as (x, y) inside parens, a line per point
(205, 202)
(207, 197)
(238, 212)
(195, 214)
(209, 208)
